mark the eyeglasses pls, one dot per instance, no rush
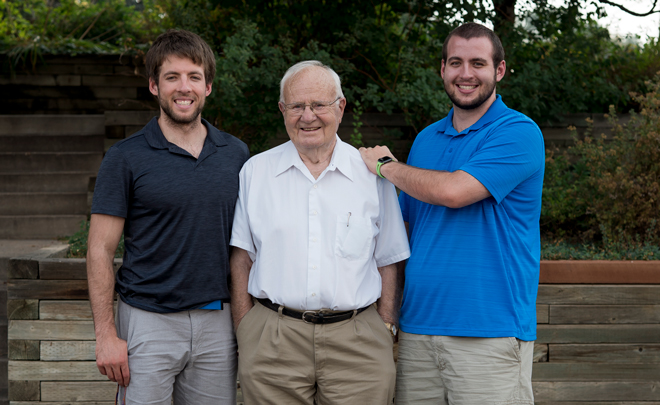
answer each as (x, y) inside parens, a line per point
(317, 107)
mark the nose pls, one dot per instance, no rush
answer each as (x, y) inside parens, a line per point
(184, 84)
(308, 115)
(465, 71)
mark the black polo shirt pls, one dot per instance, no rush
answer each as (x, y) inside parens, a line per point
(179, 212)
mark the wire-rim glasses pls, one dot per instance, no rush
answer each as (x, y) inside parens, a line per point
(317, 107)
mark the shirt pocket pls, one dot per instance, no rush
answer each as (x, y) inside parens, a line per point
(354, 237)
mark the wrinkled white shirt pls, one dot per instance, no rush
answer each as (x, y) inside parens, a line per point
(317, 243)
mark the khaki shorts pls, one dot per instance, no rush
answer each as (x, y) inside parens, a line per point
(189, 356)
(446, 370)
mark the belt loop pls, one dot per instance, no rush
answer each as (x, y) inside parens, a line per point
(354, 314)
(279, 311)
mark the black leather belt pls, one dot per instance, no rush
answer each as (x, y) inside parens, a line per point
(315, 317)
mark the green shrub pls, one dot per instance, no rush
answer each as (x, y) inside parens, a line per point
(607, 190)
(78, 242)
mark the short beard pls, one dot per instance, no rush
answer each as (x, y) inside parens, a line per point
(178, 119)
(483, 97)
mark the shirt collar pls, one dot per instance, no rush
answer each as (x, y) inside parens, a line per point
(339, 160)
(155, 138)
(494, 111)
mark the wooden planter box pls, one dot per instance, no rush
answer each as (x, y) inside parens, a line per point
(598, 334)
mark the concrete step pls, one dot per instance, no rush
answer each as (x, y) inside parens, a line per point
(45, 182)
(57, 143)
(43, 203)
(49, 161)
(39, 226)
(52, 124)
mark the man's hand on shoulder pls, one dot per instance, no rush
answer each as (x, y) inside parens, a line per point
(371, 156)
(112, 359)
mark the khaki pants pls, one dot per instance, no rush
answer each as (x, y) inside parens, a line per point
(283, 360)
(441, 370)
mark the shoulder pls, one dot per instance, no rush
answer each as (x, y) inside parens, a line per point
(267, 160)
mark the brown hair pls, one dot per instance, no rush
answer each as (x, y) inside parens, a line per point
(183, 44)
(474, 30)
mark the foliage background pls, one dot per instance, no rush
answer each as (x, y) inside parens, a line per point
(600, 194)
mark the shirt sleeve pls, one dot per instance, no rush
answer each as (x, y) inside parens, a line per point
(114, 184)
(241, 234)
(392, 240)
(508, 157)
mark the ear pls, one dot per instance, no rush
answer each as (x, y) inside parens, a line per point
(500, 71)
(208, 88)
(281, 106)
(342, 107)
(153, 87)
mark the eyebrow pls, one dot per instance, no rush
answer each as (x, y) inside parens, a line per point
(174, 72)
(471, 60)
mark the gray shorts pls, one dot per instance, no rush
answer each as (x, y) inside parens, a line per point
(446, 370)
(187, 356)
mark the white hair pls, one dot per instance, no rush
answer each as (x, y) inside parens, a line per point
(306, 64)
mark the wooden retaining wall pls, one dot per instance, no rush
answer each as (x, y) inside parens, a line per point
(597, 343)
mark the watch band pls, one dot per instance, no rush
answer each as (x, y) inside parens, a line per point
(382, 161)
(378, 165)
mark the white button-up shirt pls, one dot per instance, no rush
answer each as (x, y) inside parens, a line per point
(317, 243)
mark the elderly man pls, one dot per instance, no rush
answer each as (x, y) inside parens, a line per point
(316, 241)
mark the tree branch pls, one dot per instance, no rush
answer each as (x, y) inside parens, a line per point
(620, 7)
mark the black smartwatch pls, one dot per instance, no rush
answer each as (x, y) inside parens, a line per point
(382, 161)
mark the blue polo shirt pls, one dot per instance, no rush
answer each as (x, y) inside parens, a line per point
(474, 271)
(179, 212)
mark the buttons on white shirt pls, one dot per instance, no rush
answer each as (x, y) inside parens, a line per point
(316, 186)
(314, 212)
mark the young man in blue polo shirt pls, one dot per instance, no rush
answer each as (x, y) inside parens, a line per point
(471, 197)
(171, 189)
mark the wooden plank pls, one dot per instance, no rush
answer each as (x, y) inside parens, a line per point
(606, 353)
(550, 371)
(562, 294)
(65, 310)
(23, 268)
(47, 289)
(598, 334)
(24, 391)
(19, 349)
(67, 269)
(542, 313)
(63, 269)
(596, 391)
(65, 403)
(540, 353)
(78, 391)
(68, 350)
(54, 371)
(598, 403)
(22, 309)
(600, 272)
(604, 314)
(51, 330)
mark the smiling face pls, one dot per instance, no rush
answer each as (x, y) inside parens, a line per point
(181, 90)
(468, 73)
(310, 131)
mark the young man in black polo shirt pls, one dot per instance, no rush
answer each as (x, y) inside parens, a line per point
(171, 189)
